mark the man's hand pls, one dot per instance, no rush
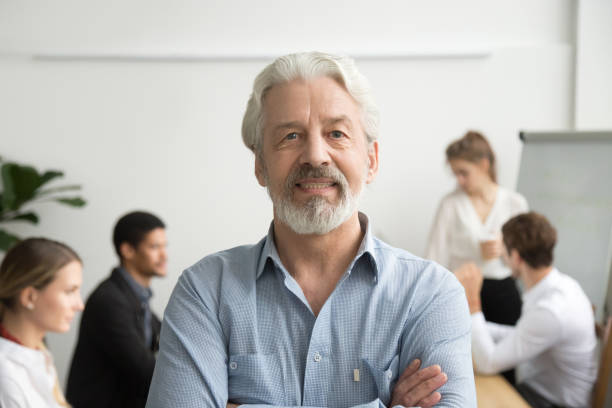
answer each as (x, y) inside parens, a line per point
(418, 387)
(470, 277)
(230, 405)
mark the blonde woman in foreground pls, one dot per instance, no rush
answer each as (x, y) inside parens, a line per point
(40, 283)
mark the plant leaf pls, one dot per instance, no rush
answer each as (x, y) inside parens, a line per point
(73, 202)
(20, 184)
(48, 176)
(41, 193)
(29, 217)
(7, 240)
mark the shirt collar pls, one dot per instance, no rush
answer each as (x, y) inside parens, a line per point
(142, 293)
(367, 246)
(22, 355)
(537, 290)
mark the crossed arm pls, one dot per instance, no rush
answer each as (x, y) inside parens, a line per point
(192, 369)
(415, 387)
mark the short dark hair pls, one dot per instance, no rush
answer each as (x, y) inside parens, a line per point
(533, 237)
(133, 227)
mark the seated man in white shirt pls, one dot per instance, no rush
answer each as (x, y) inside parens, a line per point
(553, 343)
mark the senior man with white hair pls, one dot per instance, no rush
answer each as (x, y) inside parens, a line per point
(319, 312)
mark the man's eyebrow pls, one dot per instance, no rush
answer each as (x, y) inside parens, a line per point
(339, 119)
(327, 122)
(287, 125)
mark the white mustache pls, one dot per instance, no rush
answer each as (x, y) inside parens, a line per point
(307, 171)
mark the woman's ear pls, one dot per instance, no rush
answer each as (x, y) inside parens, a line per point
(484, 164)
(27, 297)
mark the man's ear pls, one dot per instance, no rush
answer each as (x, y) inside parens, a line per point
(27, 297)
(260, 169)
(372, 161)
(515, 257)
(127, 251)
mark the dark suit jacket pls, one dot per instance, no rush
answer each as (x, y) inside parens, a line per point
(112, 366)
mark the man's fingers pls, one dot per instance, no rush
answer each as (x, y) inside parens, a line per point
(420, 392)
(410, 382)
(411, 369)
(424, 389)
(430, 401)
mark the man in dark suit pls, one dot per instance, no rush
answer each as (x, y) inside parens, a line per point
(114, 358)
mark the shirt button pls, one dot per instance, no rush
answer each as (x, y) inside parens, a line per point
(233, 365)
(317, 357)
(389, 374)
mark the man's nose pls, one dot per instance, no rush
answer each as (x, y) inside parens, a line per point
(315, 151)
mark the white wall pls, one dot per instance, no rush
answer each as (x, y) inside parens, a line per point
(164, 135)
(593, 85)
(594, 65)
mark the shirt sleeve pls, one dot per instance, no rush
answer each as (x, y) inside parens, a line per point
(439, 333)
(498, 331)
(191, 369)
(535, 332)
(519, 205)
(12, 395)
(372, 404)
(437, 244)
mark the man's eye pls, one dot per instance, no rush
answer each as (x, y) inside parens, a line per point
(291, 136)
(336, 134)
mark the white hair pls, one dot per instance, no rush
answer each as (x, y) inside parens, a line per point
(308, 65)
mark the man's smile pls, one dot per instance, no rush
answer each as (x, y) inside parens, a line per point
(316, 185)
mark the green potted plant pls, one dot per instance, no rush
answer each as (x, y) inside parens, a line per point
(23, 186)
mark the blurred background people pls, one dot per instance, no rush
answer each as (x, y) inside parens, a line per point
(40, 283)
(118, 338)
(467, 226)
(553, 343)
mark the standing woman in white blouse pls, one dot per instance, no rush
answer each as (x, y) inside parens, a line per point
(40, 284)
(467, 227)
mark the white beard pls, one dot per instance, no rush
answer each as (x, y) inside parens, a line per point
(317, 215)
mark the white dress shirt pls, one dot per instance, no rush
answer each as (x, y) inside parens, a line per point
(27, 377)
(457, 231)
(552, 345)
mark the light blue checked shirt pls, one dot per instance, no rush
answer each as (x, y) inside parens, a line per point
(238, 327)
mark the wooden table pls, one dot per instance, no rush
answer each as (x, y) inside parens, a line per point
(493, 391)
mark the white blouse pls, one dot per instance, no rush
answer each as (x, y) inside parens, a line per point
(552, 345)
(457, 231)
(27, 377)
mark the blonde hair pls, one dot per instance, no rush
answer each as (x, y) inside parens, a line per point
(31, 262)
(473, 147)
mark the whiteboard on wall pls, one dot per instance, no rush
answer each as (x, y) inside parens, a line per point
(567, 176)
